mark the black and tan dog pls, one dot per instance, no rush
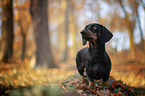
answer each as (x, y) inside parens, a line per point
(94, 58)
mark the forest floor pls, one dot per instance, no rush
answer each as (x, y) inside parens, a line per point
(127, 78)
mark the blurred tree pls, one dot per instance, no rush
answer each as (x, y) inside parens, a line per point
(130, 20)
(143, 5)
(136, 4)
(22, 21)
(38, 10)
(73, 29)
(23, 33)
(6, 47)
(73, 24)
(24, 26)
(66, 25)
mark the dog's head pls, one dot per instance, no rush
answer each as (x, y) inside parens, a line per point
(95, 32)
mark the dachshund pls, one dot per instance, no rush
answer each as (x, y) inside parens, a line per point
(94, 59)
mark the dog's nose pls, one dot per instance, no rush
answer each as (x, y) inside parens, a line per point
(82, 32)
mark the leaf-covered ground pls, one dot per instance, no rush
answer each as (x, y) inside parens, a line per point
(110, 88)
(20, 80)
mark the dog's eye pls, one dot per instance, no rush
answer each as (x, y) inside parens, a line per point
(94, 27)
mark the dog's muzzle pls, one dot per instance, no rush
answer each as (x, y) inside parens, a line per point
(86, 35)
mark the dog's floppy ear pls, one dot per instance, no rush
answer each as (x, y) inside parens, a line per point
(84, 41)
(106, 35)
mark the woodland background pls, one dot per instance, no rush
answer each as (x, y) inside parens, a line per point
(46, 34)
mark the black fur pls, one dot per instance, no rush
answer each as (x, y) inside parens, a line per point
(94, 58)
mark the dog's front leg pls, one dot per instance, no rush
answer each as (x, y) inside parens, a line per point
(82, 79)
(91, 84)
(89, 71)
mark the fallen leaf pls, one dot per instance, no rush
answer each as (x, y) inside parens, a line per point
(128, 88)
(82, 87)
(119, 93)
(80, 91)
(114, 84)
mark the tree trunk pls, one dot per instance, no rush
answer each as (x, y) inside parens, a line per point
(141, 32)
(23, 47)
(130, 25)
(139, 23)
(144, 22)
(66, 52)
(144, 30)
(132, 46)
(23, 37)
(38, 10)
(73, 29)
(7, 31)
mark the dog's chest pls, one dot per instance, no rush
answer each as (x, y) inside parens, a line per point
(97, 69)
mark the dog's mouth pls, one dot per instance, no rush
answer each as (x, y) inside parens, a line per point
(87, 38)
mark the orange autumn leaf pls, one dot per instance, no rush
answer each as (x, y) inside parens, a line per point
(121, 84)
(106, 83)
(128, 88)
(81, 87)
(114, 84)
